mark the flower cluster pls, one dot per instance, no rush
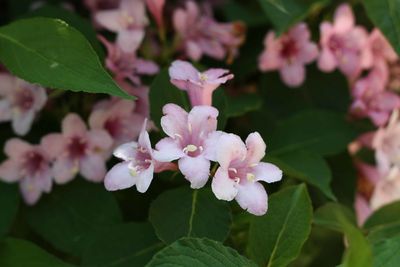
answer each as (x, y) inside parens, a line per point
(345, 46)
(194, 142)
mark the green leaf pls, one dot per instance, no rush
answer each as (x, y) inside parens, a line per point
(81, 24)
(184, 212)
(385, 231)
(194, 252)
(323, 132)
(276, 238)
(285, 13)
(67, 217)
(386, 252)
(385, 215)
(385, 14)
(242, 104)
(130, 244)
(21, 253)
(53, 54)
(162, 92)
(339, 218)
(306, 166)
(9, 202)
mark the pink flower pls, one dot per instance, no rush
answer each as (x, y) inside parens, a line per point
(127, 65)
(156, 8)
(138, 165)
(117, 117)
(20, 102)
(128, 21)
(380, 47)
(241, 170)
(78, 150)
(387, 145)
(362, 208)
(288, 54)
(186, 143)
(200, 34)
(344, 45)
(199, 85)
(30, 166)
(372, 100)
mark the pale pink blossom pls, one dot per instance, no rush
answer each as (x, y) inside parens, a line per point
(138, 165)
(344, 45)
(362, 208)
(30, 166)
(241, 171)
(117, 117)
(128, 21)
(127, 65)
(372, 100)
(387, 146)
(289, 53)
(186, 141)
(77, 149)
(201, 35)
(199, 85)
(20, 102)
(156, 8)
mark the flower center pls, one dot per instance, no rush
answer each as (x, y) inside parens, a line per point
(241, 174)
(142, 161)
(114, 127)
(33, 162)
(203, 77)
(289, 48)
(192, 150)
(77, 147)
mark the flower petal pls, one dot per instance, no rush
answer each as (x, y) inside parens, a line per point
(93, 168)
(255, 148)
(202, 120)
(15, 148)
(253, 198)
(144, 179)
(72, 125)
(64, 170)
(267, 172)
(168, 149)
(22, 121)
(126, 151)
(109, 19)
(293, 75)
(230, 147)
(130, 40)
(174, 121)
(183, 70)
(53, 144)
(10, 171)
(119, 177)
(195, 169)
(223, 187)
(30, 191)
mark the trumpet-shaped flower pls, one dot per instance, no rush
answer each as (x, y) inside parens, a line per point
(138, 165)
(128, 21)
(156, 8)
(78, 150)
(20, 101)
(30, 166)
(199, 85)
(372, 100)
(127, 65)
(186, 141)
(200, 34)
(344, 45)
(241, 171)
(288, 54)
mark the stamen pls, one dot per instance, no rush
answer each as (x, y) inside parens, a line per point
(237, 180)
(201, 148)
(189, 148)
(148, 160)
(203, 77)
(250, 177)
(253, 165)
